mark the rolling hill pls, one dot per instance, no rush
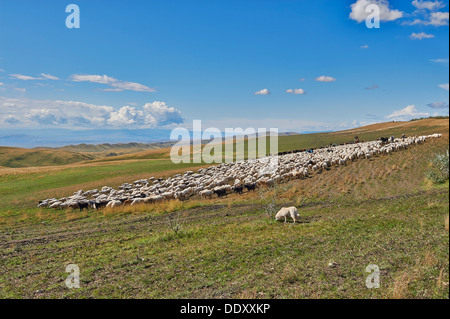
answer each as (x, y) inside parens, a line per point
(20, 157)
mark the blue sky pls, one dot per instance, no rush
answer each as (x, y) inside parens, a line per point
(159, 64)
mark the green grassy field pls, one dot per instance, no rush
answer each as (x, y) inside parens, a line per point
(381, 211)
(18, 157)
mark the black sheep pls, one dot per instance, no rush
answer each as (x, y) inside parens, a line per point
(220, 192)
(238, 189)
(250, 187)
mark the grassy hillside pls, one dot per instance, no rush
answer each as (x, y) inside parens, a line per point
(102, 148)
(380, 211)
(366, 133)
(19, 157)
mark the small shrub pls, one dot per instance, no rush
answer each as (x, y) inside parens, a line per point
(439, 168)
(269, 197)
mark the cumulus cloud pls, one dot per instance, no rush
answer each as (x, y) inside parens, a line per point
(364, 46)
(439, 19)
(163, 114)
(73, 114)
(444, 86)
(296, 91)
(428, 5)
(421, 35)
(1, 83)
(262, 92)
(438, 105)
(436, 19)
(406, 114)
(325, 78)
(47, 117)
(10, 119)
(359, 14)
(115, 83)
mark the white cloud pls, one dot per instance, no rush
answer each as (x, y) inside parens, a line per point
(444, 86)
(23, 77)
(325, 78)
(111, 90)
(1, 83)
(262, 92)
(440, 61)
(115, 83)
(10, 119)
(163, 114)
(302, 80)
(438, 105)
(428, 5)
(373, 87)
(421, 35)
(406, 114)
(72, 114)
(1, 70)
(364, 46)
(44, 76)
(49, 76)
(439, 19)
(296, 91)
(436, 19)
(21, 90)
(358, 10)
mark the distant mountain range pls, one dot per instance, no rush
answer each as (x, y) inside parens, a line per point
(30, 138)
(57, 138)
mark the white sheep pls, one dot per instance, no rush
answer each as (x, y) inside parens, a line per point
(114, 203)
(219, 178)
(206, 193)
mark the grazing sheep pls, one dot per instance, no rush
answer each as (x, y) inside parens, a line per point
(220, 192)
(206, 193)
(97, 204)
(238, 189)
(56, 205)
(286, 212)
(137, 201)
(250, 187)
(114, 203)
(83, 205)
(153, 199)
(228, 177)
(128, 201)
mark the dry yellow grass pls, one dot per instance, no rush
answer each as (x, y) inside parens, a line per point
(400, 287)
(440, 284)
(157, 208)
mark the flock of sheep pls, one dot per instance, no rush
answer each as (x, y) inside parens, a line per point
(223, 179)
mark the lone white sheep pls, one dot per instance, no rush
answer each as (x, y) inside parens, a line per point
(286, 212)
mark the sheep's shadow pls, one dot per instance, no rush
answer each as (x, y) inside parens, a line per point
(294, 222)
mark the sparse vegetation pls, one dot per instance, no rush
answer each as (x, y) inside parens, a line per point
(269, 196)
(439, 170)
